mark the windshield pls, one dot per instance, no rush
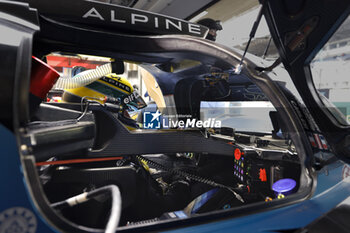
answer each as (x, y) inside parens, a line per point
(330, 72)
(244, 116)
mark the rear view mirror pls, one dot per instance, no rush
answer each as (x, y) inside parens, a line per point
(118, 67)
(217, 90)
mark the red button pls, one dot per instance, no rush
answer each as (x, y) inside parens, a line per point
(237, 154)
(262, 175)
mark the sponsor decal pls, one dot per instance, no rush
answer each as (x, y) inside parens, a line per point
(318, 141)
(323, 142)
(17, 219)
(312, 140)
(155, 120)
(117, 83)
(123, 16)
(131, 98)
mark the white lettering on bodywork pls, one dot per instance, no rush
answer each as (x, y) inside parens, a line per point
(93, 13)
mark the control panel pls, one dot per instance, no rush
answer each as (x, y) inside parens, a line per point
(240, 168)
(252, 169)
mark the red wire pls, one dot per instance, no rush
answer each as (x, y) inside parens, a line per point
(60, 162)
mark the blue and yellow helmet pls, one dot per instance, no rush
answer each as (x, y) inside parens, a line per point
(110, 85)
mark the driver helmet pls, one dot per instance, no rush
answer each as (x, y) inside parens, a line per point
(110, 85)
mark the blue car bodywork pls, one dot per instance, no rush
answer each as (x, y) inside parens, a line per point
(21, 209)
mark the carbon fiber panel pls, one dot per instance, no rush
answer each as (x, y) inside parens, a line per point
(125, 142)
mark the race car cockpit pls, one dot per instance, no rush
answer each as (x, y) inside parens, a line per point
(224, 147)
